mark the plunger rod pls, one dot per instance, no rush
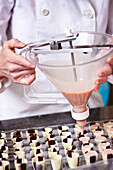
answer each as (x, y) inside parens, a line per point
(73, 61)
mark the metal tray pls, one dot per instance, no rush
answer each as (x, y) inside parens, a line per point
(64, 166)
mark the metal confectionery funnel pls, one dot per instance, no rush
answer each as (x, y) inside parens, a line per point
(72, 63)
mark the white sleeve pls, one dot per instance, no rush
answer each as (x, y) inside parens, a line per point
(6, 7)
(110, 18)
(4, 82)
(110, 79)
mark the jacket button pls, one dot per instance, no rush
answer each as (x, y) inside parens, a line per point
(89, 15)
(45, 12)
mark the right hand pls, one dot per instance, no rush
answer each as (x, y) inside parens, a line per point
(107, 69)
(15, 67)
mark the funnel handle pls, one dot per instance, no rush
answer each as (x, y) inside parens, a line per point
(26, 52)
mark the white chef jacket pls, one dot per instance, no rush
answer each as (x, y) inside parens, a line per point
(34, 20)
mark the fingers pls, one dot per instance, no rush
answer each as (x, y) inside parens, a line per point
(8, 49)
(22, 73)
(107, 71)
(100, 80)
(13, 43)
(102, 76)
(25, 77)
(15, 73)
(14, 66)
(10, 57)
(27, 80)
(19, 60)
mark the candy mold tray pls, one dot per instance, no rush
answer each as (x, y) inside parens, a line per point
(99, 164)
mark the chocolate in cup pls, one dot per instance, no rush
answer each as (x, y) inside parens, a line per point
(36, 152)
(65, 134)
(67, 142)
(56, 162)
(53, 151)
(100, 139)
(87, 147)
(33, 138)
(4, 165)
(50, 136)
(2, 135)
(18, 140)
(52, 143)
(98, 132)
(16, 134)
(106, 155)
(29, 132)
(103, 145)
(4, 149)
(19, 146)
(93, 126)
(72, 159)
(72, 148)
(21, 164)
(110, 132)
(83, 140)
(62, 129)
(4, 156)
(19, 154)
(79, 131)
(91, 157)
(2, 141)
(38, 163)
(107, 125)
(36, 145)
(46, 131)
(1, 167)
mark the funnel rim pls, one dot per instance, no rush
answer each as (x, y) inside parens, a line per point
(36, 44)
(73, 66)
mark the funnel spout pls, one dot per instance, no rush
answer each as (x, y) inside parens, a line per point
(80, 116)
(80, 111)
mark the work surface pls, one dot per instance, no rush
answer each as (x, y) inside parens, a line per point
(98, 114)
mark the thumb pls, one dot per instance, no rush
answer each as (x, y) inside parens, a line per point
(13, 43)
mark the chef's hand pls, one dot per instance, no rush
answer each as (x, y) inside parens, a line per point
(103, 75)
(14, 66)
(107, 70)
